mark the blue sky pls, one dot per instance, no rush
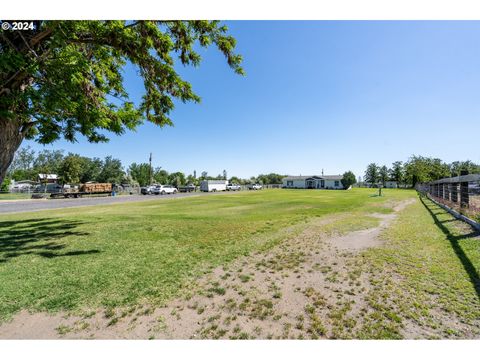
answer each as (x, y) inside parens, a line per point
(332, 95)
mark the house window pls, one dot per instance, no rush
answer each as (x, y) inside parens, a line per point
(289, 183)
(337, 183)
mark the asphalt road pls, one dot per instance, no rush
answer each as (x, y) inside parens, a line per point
(19, 206)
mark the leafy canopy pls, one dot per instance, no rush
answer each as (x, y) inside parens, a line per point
(65, 77)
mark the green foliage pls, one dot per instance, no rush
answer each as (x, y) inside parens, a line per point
(23, 160)
(76, 69)
(91, 169)
(71, 169)
(191, 180)
(112, 171)
(419, 169)
(161, 176)
(372, 173)
(140, 173)
(64, 78)
(457, 166)
(48, 162)
(396, 173)
(383, 174)
(270, 178)
(176, 179)
(236, 180)
(348, 179)
(4, 186)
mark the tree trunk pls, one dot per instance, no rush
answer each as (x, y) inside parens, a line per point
(11, 136)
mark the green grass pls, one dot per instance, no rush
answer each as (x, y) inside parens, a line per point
(429, 269)
(14, 196)
(131, 253)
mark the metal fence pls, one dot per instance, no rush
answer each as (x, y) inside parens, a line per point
(461, 193)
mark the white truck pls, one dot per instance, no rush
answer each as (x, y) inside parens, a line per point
(255, 187)
(213, 185)
(233, 187)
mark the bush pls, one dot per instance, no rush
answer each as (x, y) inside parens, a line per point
(348, 179)
(6, 184)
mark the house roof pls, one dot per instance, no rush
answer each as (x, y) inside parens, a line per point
(48, 176)
(319, 177)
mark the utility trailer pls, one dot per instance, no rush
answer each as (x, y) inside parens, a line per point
(213, 185)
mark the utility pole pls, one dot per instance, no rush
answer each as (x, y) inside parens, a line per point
(151, 172)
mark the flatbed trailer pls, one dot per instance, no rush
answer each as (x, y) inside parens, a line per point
(105, 189)
(78, 194)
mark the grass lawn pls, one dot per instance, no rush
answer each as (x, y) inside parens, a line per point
(124, 254)
(427, 275)
(14, 196)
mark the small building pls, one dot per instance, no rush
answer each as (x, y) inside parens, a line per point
(22, 185)
(48, 178)
(391, 184)
(313, 182)
(213, 185)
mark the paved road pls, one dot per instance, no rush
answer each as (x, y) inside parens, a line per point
(8, 207)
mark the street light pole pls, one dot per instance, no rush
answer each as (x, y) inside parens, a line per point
(151, 172)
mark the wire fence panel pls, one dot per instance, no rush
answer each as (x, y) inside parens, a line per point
(461, 193)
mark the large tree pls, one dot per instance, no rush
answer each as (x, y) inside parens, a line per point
(160, 176)
(383, 174)
(176, 179)
(372, 174)
(396, 173)
(48, 162)
(71, 169)
(64, 78)
(22, 165)
(140, 173)
(112, 171)
(91, 169)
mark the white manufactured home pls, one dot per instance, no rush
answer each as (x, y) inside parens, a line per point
(213, 185)
(313, 182)
(391, 184)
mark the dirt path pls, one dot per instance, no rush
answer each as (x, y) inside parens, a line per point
(309, 286)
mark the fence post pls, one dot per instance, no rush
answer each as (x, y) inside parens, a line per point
(454, 192)
(440, 191)
(446, 193)
(464, 199)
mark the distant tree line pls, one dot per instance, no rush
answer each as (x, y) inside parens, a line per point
(417, 169)
(71, 168)
(74, 168)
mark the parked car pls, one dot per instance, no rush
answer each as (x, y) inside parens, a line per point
(255, 187)
(233, 187)
(165, 189)
(49, 188)
(147, 190)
